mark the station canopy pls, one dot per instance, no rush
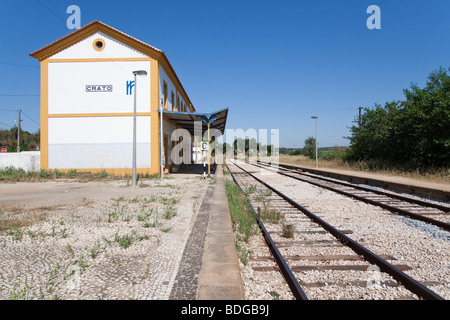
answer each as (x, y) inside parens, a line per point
(186, 120)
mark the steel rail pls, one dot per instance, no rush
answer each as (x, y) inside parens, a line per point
(396, 196)
(290, 278)
(441, 224)
(408, 282)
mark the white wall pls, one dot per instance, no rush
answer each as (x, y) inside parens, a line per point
(85, 50)
(27, 160)
(67, 83)
(98, 142)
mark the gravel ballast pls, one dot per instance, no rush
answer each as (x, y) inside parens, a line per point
(420, 246)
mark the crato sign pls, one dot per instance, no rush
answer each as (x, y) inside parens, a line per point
(99, 88)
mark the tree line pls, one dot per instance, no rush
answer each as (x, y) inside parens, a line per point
(413, 133)
(409, 134)
(28, 141)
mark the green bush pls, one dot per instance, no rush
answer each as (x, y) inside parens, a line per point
(413, 133)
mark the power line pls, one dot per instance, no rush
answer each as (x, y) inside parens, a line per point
(6, 124)
(30, 118)
(11, 110)
(51, 11)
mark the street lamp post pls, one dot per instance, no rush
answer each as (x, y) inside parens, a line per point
(161, 139)
(317, 163)
(136, 73)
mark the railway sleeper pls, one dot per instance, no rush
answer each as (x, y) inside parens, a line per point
(311, 232)
(320, 258)
(355, 267)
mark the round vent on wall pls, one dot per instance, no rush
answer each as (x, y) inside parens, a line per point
(99, 44)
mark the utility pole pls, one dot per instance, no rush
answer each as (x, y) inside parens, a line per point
(359, 133)
(18, 133)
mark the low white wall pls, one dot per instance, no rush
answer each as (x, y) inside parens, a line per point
(27, 160)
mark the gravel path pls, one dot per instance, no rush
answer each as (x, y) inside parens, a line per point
(109, 241)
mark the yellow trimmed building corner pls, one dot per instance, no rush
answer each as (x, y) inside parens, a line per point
(87, 102)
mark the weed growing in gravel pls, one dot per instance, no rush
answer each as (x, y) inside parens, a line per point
(244, 253)
(124, 241)
(242, 216)
(95, 251)
(16, 234)
(243, 219)
(170, 213)
(127, 218)
(63, 233)
(168, 201)
(250, 190)
(145, 215)
(81, 263)
(20, 293)
(70, 250)
(262, 195)
(143, 237)
(288, 230)
(167, 229)
(117, 212)
(267, 214)
(155, 218)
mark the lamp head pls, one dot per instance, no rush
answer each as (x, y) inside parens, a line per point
(140, 73)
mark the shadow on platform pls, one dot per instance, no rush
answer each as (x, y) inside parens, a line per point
(195, 169)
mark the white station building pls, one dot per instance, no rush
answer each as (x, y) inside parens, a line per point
(87, 103)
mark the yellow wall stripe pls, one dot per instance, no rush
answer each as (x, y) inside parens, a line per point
(44, 115)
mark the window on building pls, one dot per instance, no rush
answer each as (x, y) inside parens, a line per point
(165, 95)
(172, 98)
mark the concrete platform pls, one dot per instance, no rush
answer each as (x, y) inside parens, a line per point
(209, 268)
(220, 277)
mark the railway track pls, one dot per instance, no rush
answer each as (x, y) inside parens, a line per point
(428, 212)
(318, 247)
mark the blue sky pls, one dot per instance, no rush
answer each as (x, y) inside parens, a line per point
(274, 64)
